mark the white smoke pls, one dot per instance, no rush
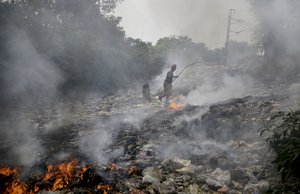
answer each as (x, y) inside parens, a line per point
(25, 73)
(209, 93)
(95, 143)
(22, 142)
(28, 71)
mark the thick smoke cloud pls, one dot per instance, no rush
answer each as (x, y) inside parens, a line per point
(27, 74)
(27, 77)
(50, 51)
(72, 48)
(278, 36)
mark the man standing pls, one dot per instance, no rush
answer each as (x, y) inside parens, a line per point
(168, 83)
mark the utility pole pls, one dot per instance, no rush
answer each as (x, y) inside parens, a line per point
(231, 11)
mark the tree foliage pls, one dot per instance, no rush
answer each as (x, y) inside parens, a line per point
(180, 47)
(144, 59)
(284, 139)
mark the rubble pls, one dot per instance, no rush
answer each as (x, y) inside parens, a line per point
(221, 176)
(171, 151)
(151, 175)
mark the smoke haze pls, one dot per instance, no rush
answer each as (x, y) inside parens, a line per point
(51, 52)
(27, 71)
(202, 20)
(93, 145)
(211, 92)
(74, 55)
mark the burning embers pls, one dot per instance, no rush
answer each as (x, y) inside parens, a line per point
(64, 176)
(177, 103)
(175, 106)
(10, 181)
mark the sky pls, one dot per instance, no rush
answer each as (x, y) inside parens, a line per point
(202, 20)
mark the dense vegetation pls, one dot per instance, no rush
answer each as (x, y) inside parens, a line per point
(284, 140)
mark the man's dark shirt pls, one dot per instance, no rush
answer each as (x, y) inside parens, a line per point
(169, 77)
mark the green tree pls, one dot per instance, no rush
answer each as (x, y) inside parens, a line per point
(180, 48)
(144, 59)
(284, 140)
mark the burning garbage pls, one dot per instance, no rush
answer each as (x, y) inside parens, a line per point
(64, 176)
(10, 181)
(175, 106)
(178, 150)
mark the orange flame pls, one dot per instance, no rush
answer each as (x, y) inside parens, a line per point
(17, 188)
(63, 174)
(175, 106)
(14, 185)
(8, 172)
(56, 178)
(103, 187)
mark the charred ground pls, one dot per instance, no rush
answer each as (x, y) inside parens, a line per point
(192, 150)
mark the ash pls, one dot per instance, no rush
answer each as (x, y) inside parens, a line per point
(146, 147)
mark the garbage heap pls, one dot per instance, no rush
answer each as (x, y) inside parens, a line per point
(155, 149)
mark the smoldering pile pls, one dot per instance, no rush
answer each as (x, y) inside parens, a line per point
(157, 150)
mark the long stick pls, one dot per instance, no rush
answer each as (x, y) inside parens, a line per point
(197, 61)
